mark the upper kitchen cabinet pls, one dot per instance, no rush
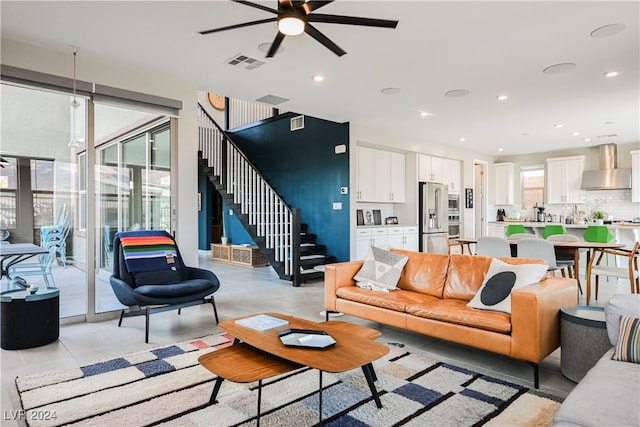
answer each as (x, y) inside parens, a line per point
(564, 177)
(503, 183)
(431, 169)
(381, 176)
(635, 176)
(452, 174)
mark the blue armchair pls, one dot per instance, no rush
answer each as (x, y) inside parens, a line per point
(149, 276)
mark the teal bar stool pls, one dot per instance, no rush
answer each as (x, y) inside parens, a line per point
(515, 228)
(550, 230)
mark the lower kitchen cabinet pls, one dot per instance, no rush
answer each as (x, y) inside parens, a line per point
(395, 237)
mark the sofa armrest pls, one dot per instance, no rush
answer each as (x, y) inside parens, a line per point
(535, 317)
(336, 276)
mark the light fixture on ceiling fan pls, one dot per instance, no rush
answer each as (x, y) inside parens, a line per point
(295, 17)
(73, 142)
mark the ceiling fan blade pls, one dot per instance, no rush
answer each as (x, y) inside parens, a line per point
(351, 20)
(275, 45)
(312, 5)
(257, 6)
(285, 4)
(233, 27)
(313, 32)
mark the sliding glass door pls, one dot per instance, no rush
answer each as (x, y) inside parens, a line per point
(133, 177)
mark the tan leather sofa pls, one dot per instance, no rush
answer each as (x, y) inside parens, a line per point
(433, 296)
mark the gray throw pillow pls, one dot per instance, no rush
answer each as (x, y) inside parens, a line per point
(381, 269)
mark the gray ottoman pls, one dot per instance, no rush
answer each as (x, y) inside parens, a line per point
(583, 340)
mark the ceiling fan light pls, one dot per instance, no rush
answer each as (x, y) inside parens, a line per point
(290, 25)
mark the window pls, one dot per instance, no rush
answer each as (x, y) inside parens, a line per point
(532, 179)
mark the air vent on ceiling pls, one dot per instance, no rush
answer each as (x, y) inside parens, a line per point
(613, 135)
(272, 99)
(297, 123)
(245, 61)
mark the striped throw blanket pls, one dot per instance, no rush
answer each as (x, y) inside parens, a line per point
(148, 251)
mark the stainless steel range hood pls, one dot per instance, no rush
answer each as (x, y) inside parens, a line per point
(608, 177)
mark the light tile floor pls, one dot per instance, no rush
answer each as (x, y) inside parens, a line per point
(246, 291)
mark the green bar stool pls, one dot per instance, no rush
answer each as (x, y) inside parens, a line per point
(550, 230)
(514, 228)
(600, 234)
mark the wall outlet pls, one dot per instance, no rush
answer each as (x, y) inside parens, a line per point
(344, 190)
(337, 206)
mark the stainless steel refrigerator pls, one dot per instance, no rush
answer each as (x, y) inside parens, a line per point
(433, 223)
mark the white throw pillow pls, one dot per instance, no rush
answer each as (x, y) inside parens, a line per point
(501, 279)
(381, 269)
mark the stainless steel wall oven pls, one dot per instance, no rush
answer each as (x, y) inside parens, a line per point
(454, 215)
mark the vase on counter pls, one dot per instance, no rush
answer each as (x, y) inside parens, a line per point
(599, 221)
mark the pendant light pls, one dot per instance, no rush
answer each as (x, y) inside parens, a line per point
(73, 142)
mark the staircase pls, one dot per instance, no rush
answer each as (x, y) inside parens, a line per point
(273, 225)
(313, 256)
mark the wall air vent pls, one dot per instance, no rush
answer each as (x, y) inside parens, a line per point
(297, 123)
(245, 61)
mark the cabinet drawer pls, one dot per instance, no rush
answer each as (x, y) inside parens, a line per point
(393, 231)
(363, 232)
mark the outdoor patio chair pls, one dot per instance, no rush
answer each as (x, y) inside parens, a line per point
(149, 276)
(43, 267)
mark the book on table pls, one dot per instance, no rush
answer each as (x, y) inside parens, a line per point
(262, 322)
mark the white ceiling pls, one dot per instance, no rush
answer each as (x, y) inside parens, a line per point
(487, 48)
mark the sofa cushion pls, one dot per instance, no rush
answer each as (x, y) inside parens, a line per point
(381, 268)
(620, 305)
(604, 397)
(501, 279)
(424, 272)
(396, 300)
(627, 348)
(467, 273)
(456, 311)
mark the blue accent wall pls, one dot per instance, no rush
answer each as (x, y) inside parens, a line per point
(303, 168)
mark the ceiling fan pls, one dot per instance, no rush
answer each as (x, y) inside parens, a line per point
(295, 16)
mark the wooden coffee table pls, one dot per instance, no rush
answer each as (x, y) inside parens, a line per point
(257, 355)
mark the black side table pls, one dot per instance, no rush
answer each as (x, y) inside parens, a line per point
(583, 338)
(29, 320)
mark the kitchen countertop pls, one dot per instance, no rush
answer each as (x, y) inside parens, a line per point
(533, 224)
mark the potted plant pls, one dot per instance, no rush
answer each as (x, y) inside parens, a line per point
(224, 239)
(598, 217)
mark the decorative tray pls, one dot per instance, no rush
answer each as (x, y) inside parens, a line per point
(306, 338)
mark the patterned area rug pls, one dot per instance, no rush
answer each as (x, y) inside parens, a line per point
(166, 386)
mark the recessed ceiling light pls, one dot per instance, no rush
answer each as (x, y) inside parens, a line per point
(608, 30)
(317, 78)
(456, 93)
(264, 48)
(587, 139)
(502, 97)
(574, 134)
(614, 73)
(558, 126)
(501, 149)
(525, 133)
(390, 91)
(609, 123)
(559, 68)
(462, 139)
(424, 114)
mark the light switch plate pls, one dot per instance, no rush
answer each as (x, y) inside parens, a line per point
(337, 206)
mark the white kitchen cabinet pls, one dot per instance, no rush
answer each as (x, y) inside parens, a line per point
(403, 238)
(635, 176)
(503, 183)
(370, 236)
(397, 180)
(495, 230)
(365, 174)
(564, 178)
(452, 175)
(431, 169)
(381, 176)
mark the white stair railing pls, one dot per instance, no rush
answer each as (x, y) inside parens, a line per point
(273, 219)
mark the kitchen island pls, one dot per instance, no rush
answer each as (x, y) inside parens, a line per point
(626, 232)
